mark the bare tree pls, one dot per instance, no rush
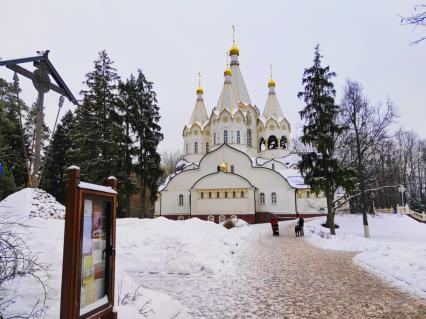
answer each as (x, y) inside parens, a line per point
(367, 126)
(169, 161)
(417, 19)
(17, 261)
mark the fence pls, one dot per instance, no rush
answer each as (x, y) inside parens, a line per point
(405, 210)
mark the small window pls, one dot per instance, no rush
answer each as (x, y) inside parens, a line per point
(196, 147)
(180, 200)
(249, 137)
(226, 194)
(202, 195)
(210, 194)
(207, 147)
(274, 198)
(225, 136)
(234, 194)
(308, 194)
(238, 137)
(232, 168)
(242, 194)
(248, 119)
(222, 218)
(214, 138)
(273, 166)
(187, 148)
(210, 218)
(218, 168)
(262, 198)
(217, 195)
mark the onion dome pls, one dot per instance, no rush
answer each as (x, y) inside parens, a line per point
(223, 167)
(200, 90)
(227, 71)
(234, 49)
(271, 82)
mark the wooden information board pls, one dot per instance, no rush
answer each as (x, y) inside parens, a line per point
(88, 269)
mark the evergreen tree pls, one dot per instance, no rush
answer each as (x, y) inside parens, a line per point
(57, 159)
(13, 151)
(322, 170)
(97, 132)
(128, 105)
(7, 183)
(145, 117)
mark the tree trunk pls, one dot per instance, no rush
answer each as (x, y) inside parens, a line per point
(365, 223)
(330, 213)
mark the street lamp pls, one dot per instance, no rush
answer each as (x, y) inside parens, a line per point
(401, 189)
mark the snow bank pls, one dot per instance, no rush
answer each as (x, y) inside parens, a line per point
(32, 202)
(183, 247)
(396, 250)
(45, 237)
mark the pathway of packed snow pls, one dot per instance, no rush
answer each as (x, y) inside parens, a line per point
(285, 278)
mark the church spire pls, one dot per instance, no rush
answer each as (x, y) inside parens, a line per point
(240, 89)
(272, 107)
(199, 114)
(227, 99)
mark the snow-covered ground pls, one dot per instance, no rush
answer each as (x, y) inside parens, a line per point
(182, 247)
(396, 249)
(154, 246)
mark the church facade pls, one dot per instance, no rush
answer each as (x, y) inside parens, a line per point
(238, 161)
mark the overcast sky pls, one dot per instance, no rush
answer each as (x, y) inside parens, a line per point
(172, 41)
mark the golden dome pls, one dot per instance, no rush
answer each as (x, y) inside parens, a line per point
(223, 167)
(200, 90)
(227, 71)
(271, 82)
(234, 49)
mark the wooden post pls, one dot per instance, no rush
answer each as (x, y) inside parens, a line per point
(112, 182)
(71, 266)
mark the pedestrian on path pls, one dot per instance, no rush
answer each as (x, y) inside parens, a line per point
(274, 225)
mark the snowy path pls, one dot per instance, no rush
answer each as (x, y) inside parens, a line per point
(286, 277)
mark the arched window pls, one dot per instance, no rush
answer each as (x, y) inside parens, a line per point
(272, 142)
(262, 198)
(210, 194)
(248, 118)
(214, 138)
(232, 168)
(180, 200)
(217, 195)
(226, 194)
(242, 194)
(262, 144)
(202, 195)
(249, 137)
(274, 198)
(283, 142)
(196, 147)
(234, 194)
(238, 137)
(225, 136)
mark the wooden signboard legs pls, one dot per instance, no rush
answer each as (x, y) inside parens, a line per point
(88, 270)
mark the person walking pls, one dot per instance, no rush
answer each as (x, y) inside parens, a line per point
(274, 225)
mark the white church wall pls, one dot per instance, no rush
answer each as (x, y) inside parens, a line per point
(312, 205)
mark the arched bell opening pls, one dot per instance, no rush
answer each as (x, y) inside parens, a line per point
(262, 144)
(272, 142)
(283, 142)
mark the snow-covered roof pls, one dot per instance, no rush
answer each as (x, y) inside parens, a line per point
(294, 177)
(288, 160)
(96, 187)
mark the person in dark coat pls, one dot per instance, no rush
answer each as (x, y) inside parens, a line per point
(299, 227)
(274, 225)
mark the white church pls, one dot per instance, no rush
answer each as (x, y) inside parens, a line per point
(238, 161)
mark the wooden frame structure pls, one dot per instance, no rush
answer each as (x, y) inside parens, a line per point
(72, 278)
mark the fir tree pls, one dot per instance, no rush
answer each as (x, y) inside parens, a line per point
(322, 170)
(145, 117)
(13, 151)
(97, 132)
(57, 159)
(128, 105)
